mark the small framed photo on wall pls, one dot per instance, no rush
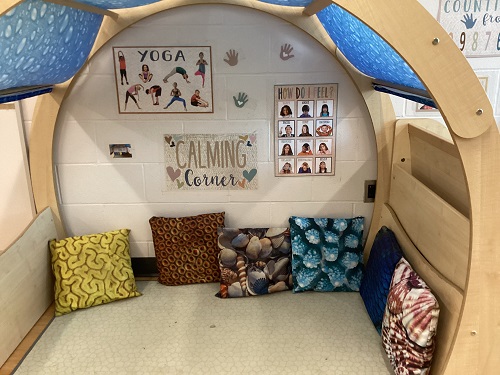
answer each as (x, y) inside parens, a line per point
(324, 128)
(306, 126)
(286, 165)
(325, 108)
(305, 165)
(286, 148)
(323, 165)
(287, 109)
(306, 108)
(286, 128)
(305, 146)
(323, 146)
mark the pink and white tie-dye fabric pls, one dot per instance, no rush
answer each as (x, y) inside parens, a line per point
(410, 322)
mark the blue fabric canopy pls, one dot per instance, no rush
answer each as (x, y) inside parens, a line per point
(42, 44)
(116, 4)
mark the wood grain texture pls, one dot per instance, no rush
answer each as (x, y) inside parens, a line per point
(445, 73)
(442, 68)
(450, 298)
(438, 230)
(7, 5)
(26, 286)
(316, 6)
(436, 163)
(28, 342)
(84, 7)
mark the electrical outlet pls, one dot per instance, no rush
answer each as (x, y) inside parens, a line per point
(370, 188)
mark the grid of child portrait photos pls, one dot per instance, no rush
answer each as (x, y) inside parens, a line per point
(305, 129)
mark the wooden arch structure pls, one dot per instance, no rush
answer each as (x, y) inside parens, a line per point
(462, 265)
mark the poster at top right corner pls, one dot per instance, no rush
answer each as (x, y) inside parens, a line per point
(474, 25)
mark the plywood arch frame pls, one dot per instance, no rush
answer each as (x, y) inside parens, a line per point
(476, 340)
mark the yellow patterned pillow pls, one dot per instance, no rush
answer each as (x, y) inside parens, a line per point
(92, 270)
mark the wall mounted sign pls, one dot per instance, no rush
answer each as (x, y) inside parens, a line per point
(305, 129)
(211, 161)
(163, 79)
(474, 25)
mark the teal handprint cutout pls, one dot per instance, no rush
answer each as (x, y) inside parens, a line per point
(468, 21)
(241, 100)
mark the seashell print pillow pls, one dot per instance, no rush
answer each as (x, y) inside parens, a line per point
(186, 248)
(92, 270)
(384, 256)
(327, 254)
(254, 261)
(410, 322)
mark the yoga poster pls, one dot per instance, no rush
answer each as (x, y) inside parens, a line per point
(163, 79)
(211, 161)
(305, 129)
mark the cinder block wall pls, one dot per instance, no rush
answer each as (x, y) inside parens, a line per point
(98, 193)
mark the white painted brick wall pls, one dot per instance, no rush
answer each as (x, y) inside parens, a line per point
(99, 193)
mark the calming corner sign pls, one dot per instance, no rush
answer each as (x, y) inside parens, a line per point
(211, 161)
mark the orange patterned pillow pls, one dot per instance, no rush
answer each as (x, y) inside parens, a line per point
(186, 248)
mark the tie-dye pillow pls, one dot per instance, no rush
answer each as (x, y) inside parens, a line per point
(92, 270)
(327, 254)
(410, 322)
(384, 256)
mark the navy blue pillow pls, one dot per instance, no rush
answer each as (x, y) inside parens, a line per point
(374, 288)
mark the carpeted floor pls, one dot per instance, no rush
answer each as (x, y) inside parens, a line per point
(187, 330)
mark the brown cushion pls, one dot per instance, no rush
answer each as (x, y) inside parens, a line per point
(186, 248)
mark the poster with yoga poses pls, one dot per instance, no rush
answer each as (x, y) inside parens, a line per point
(305, 118)
(163, 79)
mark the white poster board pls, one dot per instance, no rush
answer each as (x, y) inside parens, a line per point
(474, 25)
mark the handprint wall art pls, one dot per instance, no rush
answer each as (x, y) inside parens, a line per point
(286, 52)
(474, 25)
(164, 79)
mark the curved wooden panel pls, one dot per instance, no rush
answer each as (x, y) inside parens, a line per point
(441, 67)
(444, 71)
(439, 231)
(448, 295)
(26, 286)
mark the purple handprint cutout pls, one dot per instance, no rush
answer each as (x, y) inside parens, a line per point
(286, 52)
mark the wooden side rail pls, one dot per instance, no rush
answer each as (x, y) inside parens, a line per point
(26, 285)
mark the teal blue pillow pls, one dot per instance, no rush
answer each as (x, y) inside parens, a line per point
(327, 254)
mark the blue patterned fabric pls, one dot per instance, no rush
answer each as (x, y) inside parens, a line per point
(367, 51)
(44, 43)
(116, 4)
(327, 254)
(384, 256)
